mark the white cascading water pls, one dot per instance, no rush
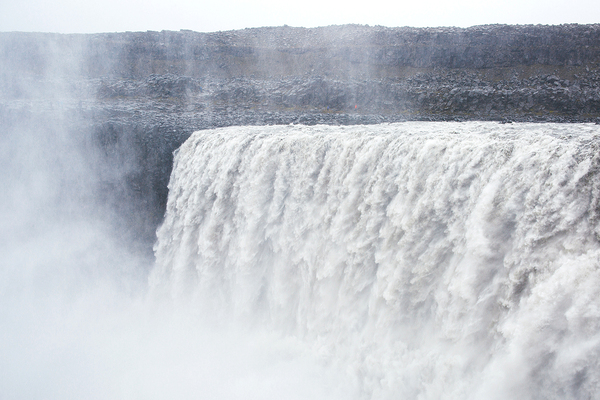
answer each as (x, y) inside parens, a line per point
(424, 260)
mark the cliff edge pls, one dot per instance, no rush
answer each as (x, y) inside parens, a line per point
(138, 95)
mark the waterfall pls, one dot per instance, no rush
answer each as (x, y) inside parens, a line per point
(425, 260)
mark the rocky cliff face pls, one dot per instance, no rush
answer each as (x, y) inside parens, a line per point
(483, 72)
(138, 95)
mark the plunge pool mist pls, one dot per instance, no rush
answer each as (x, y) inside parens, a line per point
(404, 261)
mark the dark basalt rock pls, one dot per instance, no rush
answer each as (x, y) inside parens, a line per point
(139, 95)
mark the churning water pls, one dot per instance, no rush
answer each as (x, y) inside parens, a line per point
(404, 261)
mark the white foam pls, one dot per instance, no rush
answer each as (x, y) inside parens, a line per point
(426, 260)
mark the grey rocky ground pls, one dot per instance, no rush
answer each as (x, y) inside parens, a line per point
(138, 95)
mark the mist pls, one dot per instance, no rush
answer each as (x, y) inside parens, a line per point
(300, 213)
(76, 318)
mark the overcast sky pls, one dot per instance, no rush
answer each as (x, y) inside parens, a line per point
(80, 16)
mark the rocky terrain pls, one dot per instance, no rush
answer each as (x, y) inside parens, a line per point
(138, 95)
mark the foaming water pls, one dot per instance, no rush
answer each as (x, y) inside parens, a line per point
(420, 260)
